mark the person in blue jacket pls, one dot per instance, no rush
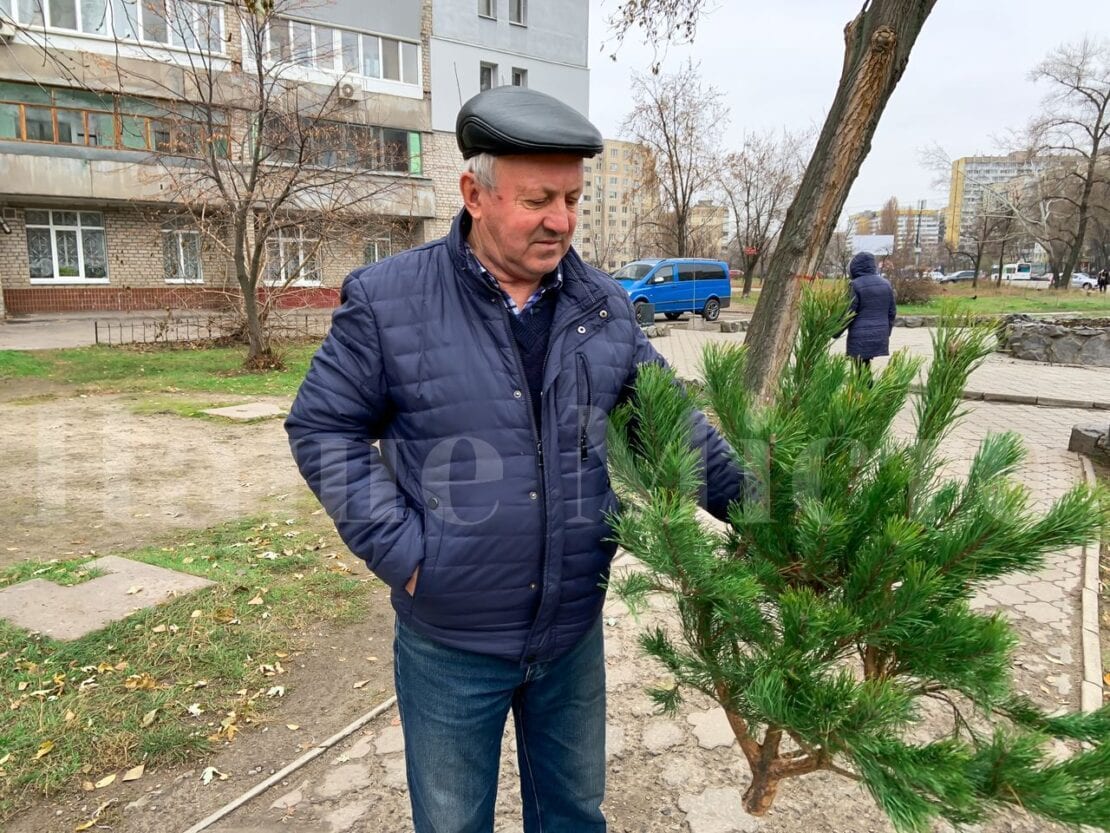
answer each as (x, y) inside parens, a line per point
(874, 309)
(453, 426)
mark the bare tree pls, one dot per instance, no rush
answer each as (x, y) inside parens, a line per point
(269, 170)
(878, 42)
(1074, 124)
(758, 181)
(678, 117)
(888, 217)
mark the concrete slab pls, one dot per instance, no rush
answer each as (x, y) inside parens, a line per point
(68, 613)
(247, 411)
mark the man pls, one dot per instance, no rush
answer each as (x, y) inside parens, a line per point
(874, 308)
(485, 364)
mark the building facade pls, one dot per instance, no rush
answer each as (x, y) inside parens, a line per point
(478, 44)
(106, 132)
(972, 177)
(914, 228)
(617, 214)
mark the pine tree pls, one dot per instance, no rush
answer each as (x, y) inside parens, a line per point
(836, 603)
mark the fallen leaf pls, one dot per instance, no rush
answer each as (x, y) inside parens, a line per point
(210, 773)
(187, 560)
(23, 685)
(281, 655)
(70, 717)
(88, 786)
(148, 718)
(140, 682)
(292, 727)
(195, 710)
(5, 759)
(361, 683)
(158, 629)
(105, 781)
(372, 659)
(85, 825)
(196, 614)
(44, 749)
(276, 691)
(134, 774)
(136, 588)
(257, 600)
(224, 615)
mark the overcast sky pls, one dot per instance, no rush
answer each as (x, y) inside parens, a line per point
(777, 64)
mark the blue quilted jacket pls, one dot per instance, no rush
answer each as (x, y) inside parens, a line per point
(508, 527)
(874, 306)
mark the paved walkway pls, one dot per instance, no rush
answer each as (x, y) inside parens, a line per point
(685, 773)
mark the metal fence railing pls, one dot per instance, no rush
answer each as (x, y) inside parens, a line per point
(198, 328)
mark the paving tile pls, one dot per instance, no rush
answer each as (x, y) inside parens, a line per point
(69, 613)
(247, 411)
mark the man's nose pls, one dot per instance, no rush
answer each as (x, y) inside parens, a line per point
(558, 218)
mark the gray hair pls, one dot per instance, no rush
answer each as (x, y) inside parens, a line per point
(481, 166)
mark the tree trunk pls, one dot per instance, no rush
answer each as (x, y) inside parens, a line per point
(256, 338)
(749, 273)
(1001, 260)
(761, 792)
(877, 47)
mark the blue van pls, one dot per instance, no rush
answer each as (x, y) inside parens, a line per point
(677, 285)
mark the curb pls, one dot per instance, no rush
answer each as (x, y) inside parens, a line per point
(1092, 685)
(1021, 399)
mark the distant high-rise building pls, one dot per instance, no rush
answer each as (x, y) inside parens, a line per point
(971, 176)
(914, 228)
(617, 220)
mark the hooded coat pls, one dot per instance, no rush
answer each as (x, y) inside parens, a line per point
(874, 306)
(415, 428)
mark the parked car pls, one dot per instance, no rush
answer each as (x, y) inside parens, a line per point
(1081, 280)
(678, 285)
(957, 277)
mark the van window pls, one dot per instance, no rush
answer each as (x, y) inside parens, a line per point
(688, 272)
(664, 275)
(632, 271)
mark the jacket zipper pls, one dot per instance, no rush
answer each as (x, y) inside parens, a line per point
(584, 413)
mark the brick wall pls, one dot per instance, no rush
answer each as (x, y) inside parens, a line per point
(443, 163)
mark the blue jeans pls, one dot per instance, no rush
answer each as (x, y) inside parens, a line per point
(453, 708)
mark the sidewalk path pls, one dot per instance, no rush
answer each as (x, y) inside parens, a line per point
(684, 774)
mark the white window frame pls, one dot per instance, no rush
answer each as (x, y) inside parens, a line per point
(381, 246)
(284, 239)
(518, 12)
(337, 67)
(520, 74)
(54, 228)
(487, 9)
(180, 277)
(127, 29)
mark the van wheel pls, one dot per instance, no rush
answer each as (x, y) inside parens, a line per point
(673, 316)
(637, 307)
(711, 310)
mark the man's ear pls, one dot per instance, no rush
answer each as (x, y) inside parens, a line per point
(469, 188)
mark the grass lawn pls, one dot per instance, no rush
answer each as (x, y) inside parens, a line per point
(167, 682)
(165, 369)
(1005, 300)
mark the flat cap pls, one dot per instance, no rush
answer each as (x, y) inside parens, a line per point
(511, 120)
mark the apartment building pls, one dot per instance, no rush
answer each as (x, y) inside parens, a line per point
(618, 213)
(913, 228)
(478, 44)
(972, 176)
(105, 125)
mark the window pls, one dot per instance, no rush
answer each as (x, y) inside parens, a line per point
(66, 245)
(342, 51)
(337, 144)
(520, 77)
(376, 249)
(517, 12)
(487, 76)
(181, 255)
(192, 24)
(487, 8)
(291, 257)
(73, 117)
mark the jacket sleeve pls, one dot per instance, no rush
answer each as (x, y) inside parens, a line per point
(341, 409)
(892, 313)
(724, 479)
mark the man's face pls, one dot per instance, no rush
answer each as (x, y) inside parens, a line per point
(524, 224)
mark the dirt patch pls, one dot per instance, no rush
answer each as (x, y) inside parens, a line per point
(320, 699)
(83, 474)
